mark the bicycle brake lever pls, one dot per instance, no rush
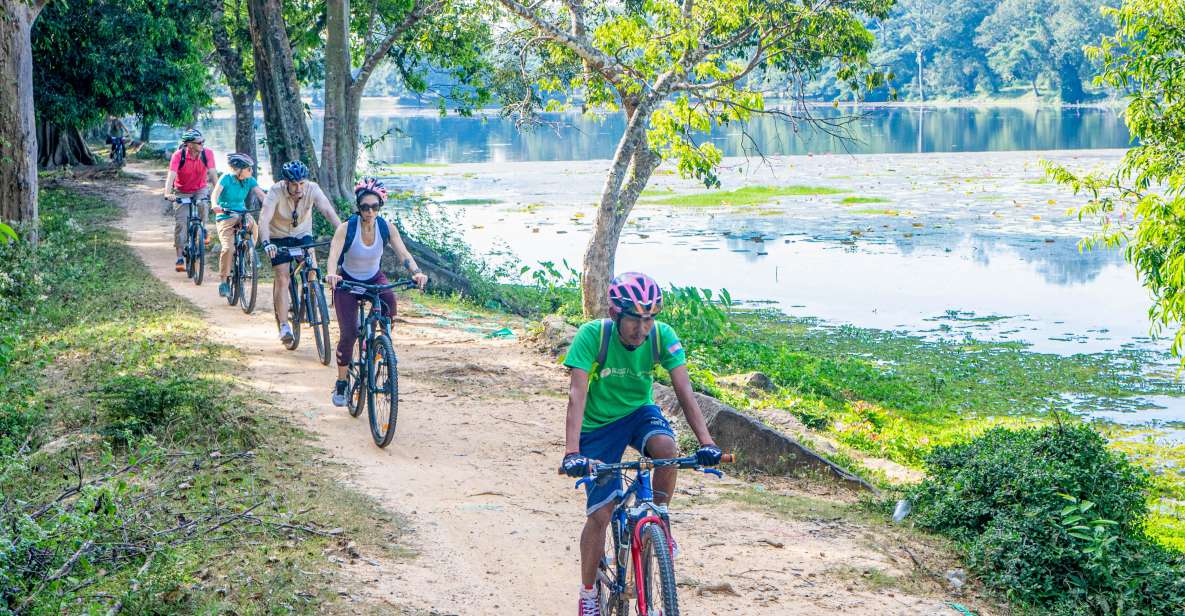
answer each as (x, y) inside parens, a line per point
(585, 481)
(712, 471)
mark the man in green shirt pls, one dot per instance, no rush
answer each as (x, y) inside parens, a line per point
(611, 406)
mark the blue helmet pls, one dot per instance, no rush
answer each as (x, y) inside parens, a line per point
(294, 171)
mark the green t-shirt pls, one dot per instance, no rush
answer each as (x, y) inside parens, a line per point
(625, 381)
(234, 194)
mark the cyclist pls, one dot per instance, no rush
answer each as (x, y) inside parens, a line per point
(117, 135)
(286, 219)
(191, 171)
(611, 405)
(357, 249)
(231, 194)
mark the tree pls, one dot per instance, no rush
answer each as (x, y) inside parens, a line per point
(414, 34)
(232, 40)
(675, 69)
(1141, 206)
(95, 58)
(288, 136)
(18, 138)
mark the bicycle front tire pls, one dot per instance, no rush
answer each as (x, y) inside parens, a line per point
(656, 580)
(248, 277)
(382, 399)
(295, 312)
(318, 313)
(236, 278)
(199, 250)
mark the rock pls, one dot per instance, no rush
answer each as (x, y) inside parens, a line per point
(68, 441)
(748, 380)
(556, 336)
(719, 588)
(957, 578)
(756, 445)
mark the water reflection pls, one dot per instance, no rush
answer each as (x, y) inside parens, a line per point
(423, 137)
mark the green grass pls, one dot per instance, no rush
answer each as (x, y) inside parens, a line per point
(103, 367)
(749, 195)
(857, 200)
(877, 212)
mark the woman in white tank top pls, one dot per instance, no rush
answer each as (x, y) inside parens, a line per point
(360, 262)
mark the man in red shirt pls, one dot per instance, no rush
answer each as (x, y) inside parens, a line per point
(191, 173)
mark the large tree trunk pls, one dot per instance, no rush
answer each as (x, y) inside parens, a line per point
(244, 120)
(146, 130)
(242, 85)
(337, 143)
(18, 138)
(61, 147)
(288, 135)
(635, 160)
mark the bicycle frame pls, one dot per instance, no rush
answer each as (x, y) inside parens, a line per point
(299, 266)
(634, 511)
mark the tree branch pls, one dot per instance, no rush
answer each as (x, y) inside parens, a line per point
(419, 11)
(594, 58)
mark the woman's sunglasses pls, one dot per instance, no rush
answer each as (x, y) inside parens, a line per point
(365, 207)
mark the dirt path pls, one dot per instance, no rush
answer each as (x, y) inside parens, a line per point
(471, 470)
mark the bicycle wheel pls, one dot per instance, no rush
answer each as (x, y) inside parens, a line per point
(318, 313)
(356, 384)
(248, 277)
(382, 399)
(236, 278)
(188, 253)
(656, 581)
(199, 248)
(295, 311)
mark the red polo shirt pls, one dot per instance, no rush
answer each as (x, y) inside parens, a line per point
(191, 177)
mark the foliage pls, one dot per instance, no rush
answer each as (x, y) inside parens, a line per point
(1054, 519)
(94, 58)
(1141, 206)
(970, 47)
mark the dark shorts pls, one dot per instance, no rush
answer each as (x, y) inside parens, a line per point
(282, 245)
(607, 444)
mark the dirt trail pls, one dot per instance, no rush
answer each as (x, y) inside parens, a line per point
(472, 472)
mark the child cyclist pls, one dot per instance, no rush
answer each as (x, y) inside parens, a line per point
(230, 198)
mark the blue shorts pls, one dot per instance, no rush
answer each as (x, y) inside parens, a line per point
(607, 444)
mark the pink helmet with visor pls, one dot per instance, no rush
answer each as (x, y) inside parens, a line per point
(634, 294)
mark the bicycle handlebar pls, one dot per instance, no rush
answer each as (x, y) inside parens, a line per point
(688, 462)
(398, 284)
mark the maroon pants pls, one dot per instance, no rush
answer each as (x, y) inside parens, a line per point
(345, 304)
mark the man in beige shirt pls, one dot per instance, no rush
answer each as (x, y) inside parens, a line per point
(285, 221)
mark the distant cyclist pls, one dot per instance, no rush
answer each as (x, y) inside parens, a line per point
(357, 249)
(611, 406)
(191, 172)
(286, 219)
(231, 195)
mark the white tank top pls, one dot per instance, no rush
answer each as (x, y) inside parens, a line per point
(362, 260)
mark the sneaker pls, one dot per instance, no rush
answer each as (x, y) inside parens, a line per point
(224, 289)
(180, 265)
(589, 605)
(339, 393)
(286, 333)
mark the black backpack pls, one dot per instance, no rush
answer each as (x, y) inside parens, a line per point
(607, 336)
(352, 232)
(185, 156)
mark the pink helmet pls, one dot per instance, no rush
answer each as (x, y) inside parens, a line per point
(634, 294)
(373, 186)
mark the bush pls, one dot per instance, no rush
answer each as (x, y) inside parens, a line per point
(1053, 519)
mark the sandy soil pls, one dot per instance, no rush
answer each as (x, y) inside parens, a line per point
(471, 471)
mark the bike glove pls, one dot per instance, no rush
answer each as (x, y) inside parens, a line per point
(575, 465)
(708, 455)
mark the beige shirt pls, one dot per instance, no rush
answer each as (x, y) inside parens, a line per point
(281, 225)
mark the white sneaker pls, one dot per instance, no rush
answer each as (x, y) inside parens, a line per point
(286, 333)
(589, 605)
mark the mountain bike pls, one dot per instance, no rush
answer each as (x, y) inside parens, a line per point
(244, 272)
(118, 149)
(194, 251)
(374, 369)
(306, 296)
(639, 559)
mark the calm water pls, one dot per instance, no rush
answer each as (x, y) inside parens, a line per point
(419, 136)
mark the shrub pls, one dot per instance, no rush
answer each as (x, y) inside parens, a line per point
(1053, 519)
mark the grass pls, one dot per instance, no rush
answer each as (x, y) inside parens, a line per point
(110, 379)
(877, 212)
(749, 195)
(858, 200)
(472, 201)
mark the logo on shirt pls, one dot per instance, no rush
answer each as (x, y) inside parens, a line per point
(675, 348)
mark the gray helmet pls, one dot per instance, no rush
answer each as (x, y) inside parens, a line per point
(239, 161)
(192, 134)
